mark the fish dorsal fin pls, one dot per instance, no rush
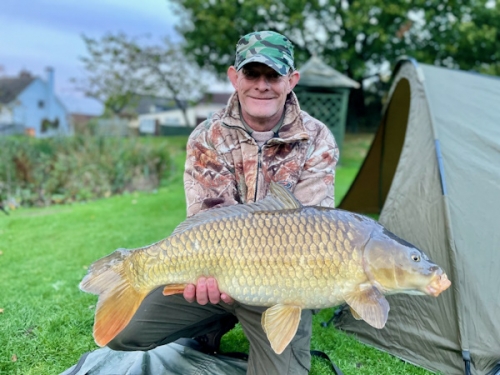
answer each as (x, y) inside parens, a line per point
(278, 198)
(284, 196)
(280, 324)
(369, 305)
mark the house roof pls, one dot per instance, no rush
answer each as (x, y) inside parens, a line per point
(10, 87)
(215, 98)
(150, 104)
(316, 73)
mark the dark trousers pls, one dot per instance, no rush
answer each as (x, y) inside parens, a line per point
(161, 320)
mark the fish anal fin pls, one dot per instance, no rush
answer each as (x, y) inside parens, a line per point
(170, 289)
(280, 323)
(370, 305)
(354, 314)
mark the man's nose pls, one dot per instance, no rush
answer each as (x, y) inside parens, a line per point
(263, 82)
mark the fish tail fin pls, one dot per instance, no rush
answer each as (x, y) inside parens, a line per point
(118, 299)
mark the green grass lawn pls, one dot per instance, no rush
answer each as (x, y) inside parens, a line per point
(46, 322)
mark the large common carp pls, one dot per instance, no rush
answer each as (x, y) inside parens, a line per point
(274, 253)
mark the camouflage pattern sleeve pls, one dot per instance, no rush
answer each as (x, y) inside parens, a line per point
(208, 182)
(317, 180)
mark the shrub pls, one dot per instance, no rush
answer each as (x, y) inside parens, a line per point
(40, 172)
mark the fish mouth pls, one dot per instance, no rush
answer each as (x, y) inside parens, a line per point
(439, 284)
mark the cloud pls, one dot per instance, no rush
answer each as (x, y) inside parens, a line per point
(90, 16)
(35, 34)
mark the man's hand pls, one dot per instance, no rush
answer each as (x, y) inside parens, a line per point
(206, 290)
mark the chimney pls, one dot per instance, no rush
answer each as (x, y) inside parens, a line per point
(24, 74)
(50, 93)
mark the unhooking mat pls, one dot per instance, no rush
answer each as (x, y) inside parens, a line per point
(170, 359)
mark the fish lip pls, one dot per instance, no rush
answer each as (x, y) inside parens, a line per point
(438, 284)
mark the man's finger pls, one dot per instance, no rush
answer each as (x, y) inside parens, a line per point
(227, 299)
(213, 291)
(190, 293)
(201, 291)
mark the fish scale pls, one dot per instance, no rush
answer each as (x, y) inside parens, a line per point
(277, 247)
(274, 253)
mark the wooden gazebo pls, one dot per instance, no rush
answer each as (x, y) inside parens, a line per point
(323, 92)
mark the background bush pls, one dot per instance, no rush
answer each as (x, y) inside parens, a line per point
(40, 172)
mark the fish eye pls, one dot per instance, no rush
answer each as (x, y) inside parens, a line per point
(415, 257)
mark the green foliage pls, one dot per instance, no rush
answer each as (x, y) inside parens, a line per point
(47, 124)
(61, 170)
(353, 35)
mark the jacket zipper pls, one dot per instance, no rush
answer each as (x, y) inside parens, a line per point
(259, 153)
(259, 165)
(259, 161)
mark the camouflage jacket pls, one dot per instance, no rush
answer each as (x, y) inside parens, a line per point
(225, 166)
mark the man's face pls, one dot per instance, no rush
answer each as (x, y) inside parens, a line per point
(262, 92)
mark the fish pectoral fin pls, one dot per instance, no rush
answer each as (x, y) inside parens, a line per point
(280, 324)
(354, 314)
(371, 305)
(170, 289)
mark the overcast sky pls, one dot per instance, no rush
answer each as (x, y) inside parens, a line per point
(35, 34)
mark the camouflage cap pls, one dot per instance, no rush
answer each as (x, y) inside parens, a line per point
(267, 47)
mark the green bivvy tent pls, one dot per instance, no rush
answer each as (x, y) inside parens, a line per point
(433, 174)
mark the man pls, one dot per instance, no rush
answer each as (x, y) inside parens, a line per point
(261, 136)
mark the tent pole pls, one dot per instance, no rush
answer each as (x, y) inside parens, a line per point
(466, 358)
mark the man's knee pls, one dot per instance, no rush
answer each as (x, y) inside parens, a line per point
(128, 342)
(301, 362)
(129, 346)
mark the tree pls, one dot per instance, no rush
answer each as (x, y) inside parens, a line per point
(109, 77)
(357, 37)
(120, 68)
(354, 36)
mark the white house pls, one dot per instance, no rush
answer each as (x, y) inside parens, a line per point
(29, 105)
(213, 101)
